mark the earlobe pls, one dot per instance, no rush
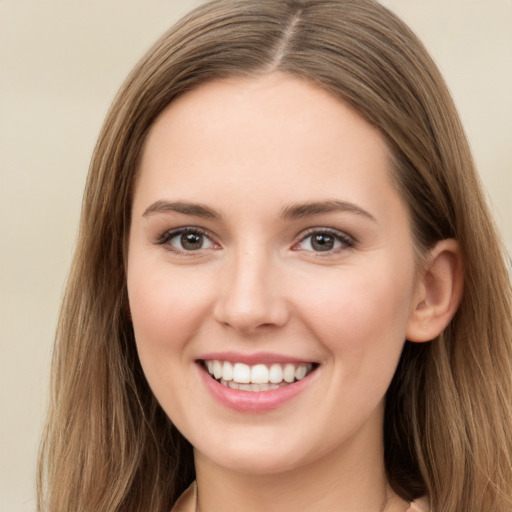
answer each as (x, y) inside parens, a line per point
(439, 292)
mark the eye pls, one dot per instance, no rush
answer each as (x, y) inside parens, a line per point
(186, 240)
(324, 241)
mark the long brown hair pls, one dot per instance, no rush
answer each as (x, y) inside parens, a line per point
(108, 446)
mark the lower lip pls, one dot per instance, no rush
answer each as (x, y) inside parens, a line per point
(254, 401)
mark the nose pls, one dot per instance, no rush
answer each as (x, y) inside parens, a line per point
(251, 295)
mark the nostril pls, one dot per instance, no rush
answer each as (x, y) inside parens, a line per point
(250, 315)
(248, 297)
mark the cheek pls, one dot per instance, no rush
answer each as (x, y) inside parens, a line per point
(360, 309)
(166, 308)
(360, 317)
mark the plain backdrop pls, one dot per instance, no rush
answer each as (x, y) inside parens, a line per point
(61, 63)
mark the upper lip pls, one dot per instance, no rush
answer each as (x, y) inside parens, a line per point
(252, 359)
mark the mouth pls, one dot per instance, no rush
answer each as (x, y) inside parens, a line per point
(258, 377)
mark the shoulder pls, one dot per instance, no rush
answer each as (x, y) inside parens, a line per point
(420, 505)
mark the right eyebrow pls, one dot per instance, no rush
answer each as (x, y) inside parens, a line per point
(195, 209)
(301, 210)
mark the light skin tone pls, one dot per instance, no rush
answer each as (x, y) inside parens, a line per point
(265, 221)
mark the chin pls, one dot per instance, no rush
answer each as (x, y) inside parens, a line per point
(262, 455)
(258, 463)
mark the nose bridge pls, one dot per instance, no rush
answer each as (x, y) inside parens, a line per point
(250, 296)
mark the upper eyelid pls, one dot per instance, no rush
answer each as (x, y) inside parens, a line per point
(171, 233)
(347, 242)
(331, 231)
(339, 234)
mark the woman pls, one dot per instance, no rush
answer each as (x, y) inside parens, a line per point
(281, 195)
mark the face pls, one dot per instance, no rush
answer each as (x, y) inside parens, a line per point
(270, 273)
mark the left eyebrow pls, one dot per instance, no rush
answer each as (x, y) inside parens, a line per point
(299, 211)
(197, 210)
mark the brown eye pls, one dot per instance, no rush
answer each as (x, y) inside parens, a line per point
(324, 241)
(186, 240)
(191, 241)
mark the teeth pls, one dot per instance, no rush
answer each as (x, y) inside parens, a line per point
(276, 374)
(288, 373)
(241, 373)
(217, 369)
(250, 387)
(259, 377)
(259, 374)
(300, 372)
(227, 371)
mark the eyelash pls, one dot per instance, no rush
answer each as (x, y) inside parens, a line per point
(166, 237)
(345, 240)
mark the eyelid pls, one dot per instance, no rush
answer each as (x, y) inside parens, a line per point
(347, 240)
(344, 238)
(168, 235)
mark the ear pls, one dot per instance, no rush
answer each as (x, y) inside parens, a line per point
(438, 292)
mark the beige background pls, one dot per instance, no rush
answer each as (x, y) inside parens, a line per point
(61, 63)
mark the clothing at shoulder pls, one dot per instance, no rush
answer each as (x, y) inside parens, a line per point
(187, 502)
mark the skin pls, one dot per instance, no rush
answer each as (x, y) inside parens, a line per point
(248, 150)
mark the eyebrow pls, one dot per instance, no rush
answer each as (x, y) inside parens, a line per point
(292, 212)
(198, 210)
(299, 211)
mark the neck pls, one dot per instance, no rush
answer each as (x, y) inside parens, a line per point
(351, 478)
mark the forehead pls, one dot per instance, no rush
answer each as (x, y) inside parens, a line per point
(271, 137)
(284, 105)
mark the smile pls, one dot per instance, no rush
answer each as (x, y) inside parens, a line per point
(258, 377)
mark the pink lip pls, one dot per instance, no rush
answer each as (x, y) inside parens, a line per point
(253, 401)
(252, 359)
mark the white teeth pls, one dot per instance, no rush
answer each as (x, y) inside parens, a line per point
(289, 373)
(217, 369)
(300, 372)
(259, 374)
(250, 387)
(227, 371)
(252, 378)
(242, 373)
(276, 373)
